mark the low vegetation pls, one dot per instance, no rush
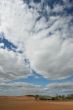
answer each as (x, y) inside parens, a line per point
(53, 98)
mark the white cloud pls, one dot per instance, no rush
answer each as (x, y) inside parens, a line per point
(62, 88)
(23, 88)
(12, 65)
(50, 55)
(14, 23)
(16, 20)
(1, 45)
(20, 88)
(65, 85)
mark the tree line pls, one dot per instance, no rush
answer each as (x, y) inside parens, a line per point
(53, 98)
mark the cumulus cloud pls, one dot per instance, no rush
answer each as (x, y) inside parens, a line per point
(61, 88)
(16, 20)
(65, 85)
(13, 23)
(48, 54)
(20, 88)
(12, 65)
(23, 88)
(43, 32)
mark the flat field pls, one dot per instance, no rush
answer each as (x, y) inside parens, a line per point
(29, 103)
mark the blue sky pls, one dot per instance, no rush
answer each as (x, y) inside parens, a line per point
(39, 80)
(36, 47)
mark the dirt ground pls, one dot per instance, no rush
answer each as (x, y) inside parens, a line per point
(29, 103)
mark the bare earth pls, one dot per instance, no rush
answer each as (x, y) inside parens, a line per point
(29, 103)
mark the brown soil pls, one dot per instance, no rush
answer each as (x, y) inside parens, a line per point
(28, 103)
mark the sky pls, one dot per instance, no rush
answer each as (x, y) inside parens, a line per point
(36, 47)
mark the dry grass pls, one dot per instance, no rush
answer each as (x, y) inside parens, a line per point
(28, 103)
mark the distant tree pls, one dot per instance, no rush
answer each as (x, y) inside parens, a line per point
(37, 97)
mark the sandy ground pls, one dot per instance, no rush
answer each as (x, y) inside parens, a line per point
(27, 103)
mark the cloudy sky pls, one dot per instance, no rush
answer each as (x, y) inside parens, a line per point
(36, 47)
